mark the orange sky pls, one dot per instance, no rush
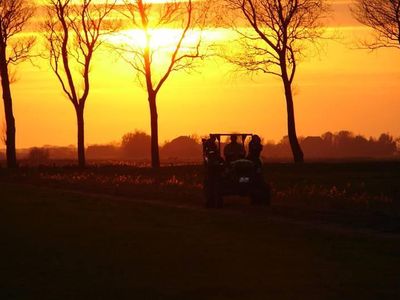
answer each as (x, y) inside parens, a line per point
(339, 88)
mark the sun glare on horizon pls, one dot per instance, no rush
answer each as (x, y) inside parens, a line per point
(164, 39)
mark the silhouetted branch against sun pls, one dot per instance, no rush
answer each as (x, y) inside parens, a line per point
(383, 17)
(73, 33)
(14, 16)
(271, 28)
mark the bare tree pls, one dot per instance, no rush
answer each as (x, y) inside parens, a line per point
(14, 16)
(383, 16)
(73, 33)
(3, 133)
(155, 63)
(274, 39)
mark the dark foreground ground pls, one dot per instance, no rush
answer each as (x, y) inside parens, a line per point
(60, 244)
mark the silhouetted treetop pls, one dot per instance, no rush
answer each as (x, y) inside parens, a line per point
(136, 145)
(343, 144)
(183, 147)
(383, 16)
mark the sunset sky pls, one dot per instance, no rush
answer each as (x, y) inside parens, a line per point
(337, 87)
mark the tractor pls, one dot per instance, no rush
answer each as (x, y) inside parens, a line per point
(241, 177)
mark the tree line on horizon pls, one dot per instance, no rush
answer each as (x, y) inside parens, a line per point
(135, 147)
(274, 38)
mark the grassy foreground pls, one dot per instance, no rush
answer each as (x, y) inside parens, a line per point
(64, 245)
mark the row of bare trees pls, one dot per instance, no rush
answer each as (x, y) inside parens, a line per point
(272, 37)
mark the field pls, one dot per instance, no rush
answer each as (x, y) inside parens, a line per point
(116, 232)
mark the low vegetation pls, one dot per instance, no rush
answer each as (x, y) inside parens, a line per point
(358, 188)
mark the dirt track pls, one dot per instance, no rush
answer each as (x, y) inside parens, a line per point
(61, 244)
(335, 221)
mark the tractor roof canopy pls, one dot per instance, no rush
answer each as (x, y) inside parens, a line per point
(218, 135)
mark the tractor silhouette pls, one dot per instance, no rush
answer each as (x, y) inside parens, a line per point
(241, 177)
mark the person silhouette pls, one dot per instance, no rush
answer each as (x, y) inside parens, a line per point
(211, 148)
(234, 151)
(255, 148)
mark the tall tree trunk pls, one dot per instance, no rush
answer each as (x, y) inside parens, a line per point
(8, 110)
(155, 155)
(298, 155)
(81, 137)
